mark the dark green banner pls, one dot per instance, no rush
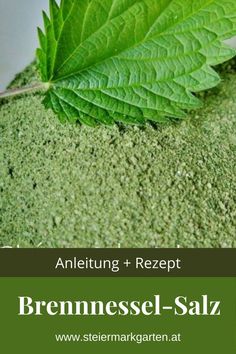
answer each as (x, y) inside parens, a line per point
(118, 262)
(111, 300)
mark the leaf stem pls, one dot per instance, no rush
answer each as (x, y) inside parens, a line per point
(23, 90)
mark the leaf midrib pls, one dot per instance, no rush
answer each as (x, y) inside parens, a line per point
(108, 20)
(141, 59)
(137, 44)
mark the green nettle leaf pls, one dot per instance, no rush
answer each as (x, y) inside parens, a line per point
(132, 60)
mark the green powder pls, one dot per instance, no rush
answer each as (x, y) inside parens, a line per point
(129, 186)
